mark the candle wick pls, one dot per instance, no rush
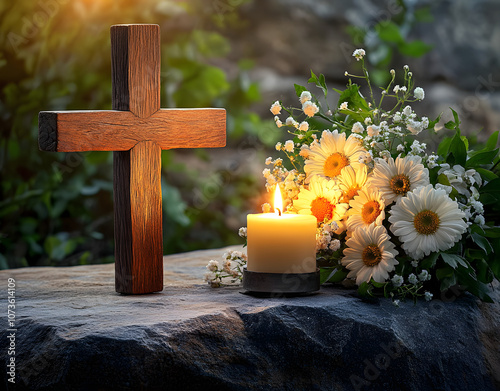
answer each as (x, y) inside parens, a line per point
(279, 211)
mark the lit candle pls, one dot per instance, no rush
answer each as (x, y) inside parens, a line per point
(281, 242)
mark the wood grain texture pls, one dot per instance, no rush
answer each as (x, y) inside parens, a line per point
(121, 130)
(138, 219)
(135, 53)
(135, 56)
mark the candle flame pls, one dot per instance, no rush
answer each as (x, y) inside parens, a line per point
(278, 201)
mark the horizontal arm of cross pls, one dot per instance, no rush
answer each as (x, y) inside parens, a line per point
(111, 130)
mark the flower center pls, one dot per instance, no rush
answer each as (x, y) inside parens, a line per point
(400, 184)
(350, 194)
(371, 255)
(334, 164)
(370, 211)
(322, 209)
(426, 222)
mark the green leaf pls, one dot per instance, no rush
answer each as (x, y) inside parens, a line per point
(332, 274)
(453, 260)
(469, 282)
(444, 147)
(482, 242)
(365, 289)
(484, 273)
(492, 141)
(481, 158)
(430, 261)
(389, 32)
(299, 89)
(486, 174)
(352, 96)
(457, 120)
(415, 48)
(458, 150)
(492, 187)
(433, 123)
(322, 84)
(444, 272)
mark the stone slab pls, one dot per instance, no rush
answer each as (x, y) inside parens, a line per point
(75, 333)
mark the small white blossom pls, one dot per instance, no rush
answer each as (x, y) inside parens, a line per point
(373, 130)
(396, 88)
(278, 146)
(242, 232)
(424, 275)
(406, 68)
(414, 263)
(479, 219)
(407, 111)
(289, 146)
(276, 108)
(395, 303)
(428, 296)
(403, 89)
(310, 108)
(400, 148)
(419, 93)
(209, 276)
(344, 106)
(290, 121)
(304, 126)
(368, 121)
(359, 54)
(212, 266)
(412, 279)
(334, 245)
(358, 128)
(305, 96)
(393, 72)
(269, 161)
(397, 280)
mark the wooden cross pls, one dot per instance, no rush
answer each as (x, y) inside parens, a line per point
(136, 130)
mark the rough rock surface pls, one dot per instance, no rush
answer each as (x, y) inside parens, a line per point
(75, 333)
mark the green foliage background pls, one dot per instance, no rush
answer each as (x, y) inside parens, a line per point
(57, 208)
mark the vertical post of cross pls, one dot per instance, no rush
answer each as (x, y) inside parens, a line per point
(135, 55)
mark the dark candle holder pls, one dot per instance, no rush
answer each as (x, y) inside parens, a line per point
(280, 284)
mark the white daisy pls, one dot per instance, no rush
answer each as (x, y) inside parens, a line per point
(332, 153)
(321, 200)
(396, 178)
(367, 208)
(370, 254)
(427, 220)
(351, 181)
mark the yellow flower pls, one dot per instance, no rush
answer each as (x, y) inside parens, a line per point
(321, 200)
(332, 153)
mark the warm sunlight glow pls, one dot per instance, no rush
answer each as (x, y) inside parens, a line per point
(278, 200)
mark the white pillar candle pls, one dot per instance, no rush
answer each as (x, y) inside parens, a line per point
(281, 244)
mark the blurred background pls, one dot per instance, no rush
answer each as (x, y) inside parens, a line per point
(57, 208)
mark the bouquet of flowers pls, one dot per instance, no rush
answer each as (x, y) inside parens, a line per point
(398, 220)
